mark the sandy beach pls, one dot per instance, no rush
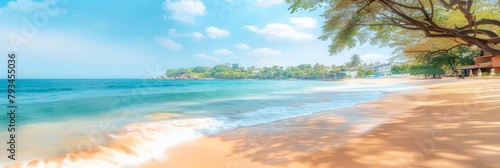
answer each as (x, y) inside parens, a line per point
(445, 123)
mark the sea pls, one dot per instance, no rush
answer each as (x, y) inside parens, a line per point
(128, 122)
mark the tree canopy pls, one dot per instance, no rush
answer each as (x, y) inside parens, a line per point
(399, 22)
(356, 60)
(235, 71)
(454, 58)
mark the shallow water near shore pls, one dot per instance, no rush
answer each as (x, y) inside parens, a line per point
(116, 123)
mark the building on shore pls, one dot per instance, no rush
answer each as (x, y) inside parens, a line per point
(383, 69)
(484, 63)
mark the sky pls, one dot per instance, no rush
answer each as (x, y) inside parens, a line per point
(140, 39)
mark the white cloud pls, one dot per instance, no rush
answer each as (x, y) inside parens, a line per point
(222, 52)
(280, 31)
(184, 10)
(304, 22)
(265, 52)
(242, 46)
(370, 58)
(195, 35)
(207, 57)
(166, 42)
(268, 3)
(173, 32)
(49, 7)
(214, 32)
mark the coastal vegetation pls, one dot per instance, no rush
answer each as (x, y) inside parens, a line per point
(234, 71)
(437, 63)
(302, 71)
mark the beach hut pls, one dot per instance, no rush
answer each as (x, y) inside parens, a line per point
(483, 63)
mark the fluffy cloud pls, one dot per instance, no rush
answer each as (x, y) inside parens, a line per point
(184, 10)
(195, 35)
(373, 58)
(304, 22)
(265, 52)
(207, 57)
(242, 46)
(268, 3)
(50, 7)
(280, 31)
(222, 52)
(166, 42)
(214, 32)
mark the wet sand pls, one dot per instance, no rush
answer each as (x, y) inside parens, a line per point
(452, 123)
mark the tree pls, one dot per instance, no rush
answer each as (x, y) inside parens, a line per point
(370, 72)
(396, 69)
(172, 72)
(400, 68)
(341, 75)
(335, 69)
(426, 70)
(355, 61)
(303, 71)
(235, 66)
(361, 74)
(388, 22)
(199, 69)
(454, 58)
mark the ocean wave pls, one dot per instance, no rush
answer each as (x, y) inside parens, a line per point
(139, 143)
(365, 87)
(136, 144)
(41, 90)
(145, 86)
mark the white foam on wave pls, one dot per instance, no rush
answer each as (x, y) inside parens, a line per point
(271, 114)
(365, 87)
(137, 144)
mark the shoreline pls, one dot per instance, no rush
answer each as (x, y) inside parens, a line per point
(323, 140)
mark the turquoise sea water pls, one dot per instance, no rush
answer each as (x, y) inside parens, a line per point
(58, 116)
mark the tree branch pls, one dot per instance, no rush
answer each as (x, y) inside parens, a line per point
(397, 14)
(489, 33)
(482, 22)
(437, 51)
(403, 5)
(469, 5)
(368, 4)
(432, 9)
(389, 24)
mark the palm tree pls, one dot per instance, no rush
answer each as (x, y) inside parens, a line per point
(348, 65)
(355, 61)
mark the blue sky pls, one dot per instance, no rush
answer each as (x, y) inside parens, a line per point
(138, 39)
